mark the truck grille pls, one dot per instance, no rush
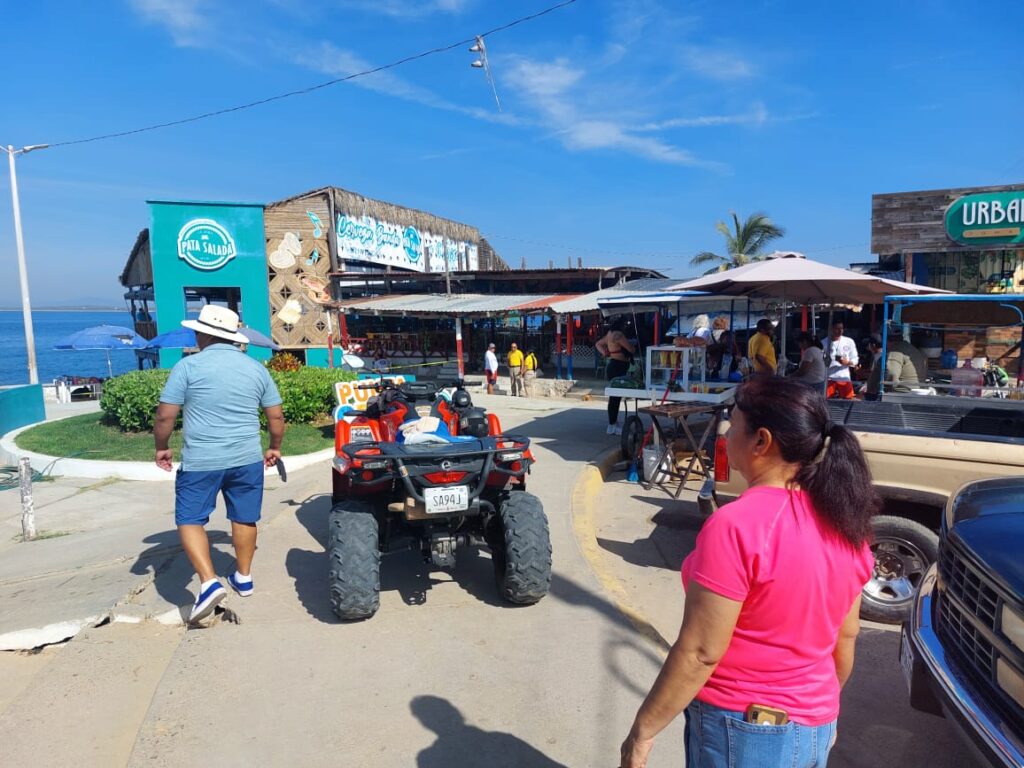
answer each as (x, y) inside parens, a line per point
(967, 585)
(966, 622)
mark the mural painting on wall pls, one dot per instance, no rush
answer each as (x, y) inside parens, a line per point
(363, 238)
(298, 267)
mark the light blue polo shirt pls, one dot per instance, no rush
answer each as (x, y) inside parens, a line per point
(222, 390)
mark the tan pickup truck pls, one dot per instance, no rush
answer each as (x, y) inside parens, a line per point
(921, 450)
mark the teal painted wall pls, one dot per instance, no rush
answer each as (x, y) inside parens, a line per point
(20, 406)
(208, 245)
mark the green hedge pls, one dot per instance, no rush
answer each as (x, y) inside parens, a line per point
(308, 393)
(130, 400)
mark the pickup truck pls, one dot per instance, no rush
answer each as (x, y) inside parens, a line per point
(962, 652)
(920, 449)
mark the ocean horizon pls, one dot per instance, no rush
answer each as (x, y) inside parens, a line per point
(50, 326)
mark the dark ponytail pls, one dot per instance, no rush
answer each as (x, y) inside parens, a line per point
(832, 470)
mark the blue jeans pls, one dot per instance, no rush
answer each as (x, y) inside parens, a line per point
(721, 738)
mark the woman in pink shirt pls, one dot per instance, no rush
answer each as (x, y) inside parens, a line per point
(772, 593)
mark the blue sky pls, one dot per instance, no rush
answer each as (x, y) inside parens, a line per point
(628, 126)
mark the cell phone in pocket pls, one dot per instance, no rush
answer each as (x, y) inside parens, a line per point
(759, 714)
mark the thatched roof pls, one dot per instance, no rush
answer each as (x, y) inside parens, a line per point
(138, 270)
(489, 259)
(353, 204)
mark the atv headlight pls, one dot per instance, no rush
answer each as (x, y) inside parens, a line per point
(1011, 681)
(341, 464)
(1013, 627)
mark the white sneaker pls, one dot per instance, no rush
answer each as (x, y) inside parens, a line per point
(611, 429)
(616, 430)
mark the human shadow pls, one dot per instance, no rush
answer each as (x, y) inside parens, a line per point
(401, 571)
(467, 746)
(672, 538)
(877, 725)
(171, 569)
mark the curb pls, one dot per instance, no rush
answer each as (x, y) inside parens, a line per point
(122, 470)
(585, 494)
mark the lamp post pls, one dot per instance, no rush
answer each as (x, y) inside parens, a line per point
(26, 304)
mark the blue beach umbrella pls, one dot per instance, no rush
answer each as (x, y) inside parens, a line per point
(178, 338)
(257, 339)
(105, 337)
(186, 337)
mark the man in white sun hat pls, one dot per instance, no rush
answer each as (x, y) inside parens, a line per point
(222, 391)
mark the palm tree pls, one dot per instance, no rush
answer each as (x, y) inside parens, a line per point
(744, 243)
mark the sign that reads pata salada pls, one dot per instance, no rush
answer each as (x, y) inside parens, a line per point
(205, 244)
(985, 219)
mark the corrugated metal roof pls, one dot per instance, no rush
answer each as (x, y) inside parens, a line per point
(458, 304)
(589, 302)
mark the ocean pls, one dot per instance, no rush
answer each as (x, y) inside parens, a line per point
(49, 328)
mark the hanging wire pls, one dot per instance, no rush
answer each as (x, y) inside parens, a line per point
(319, 86)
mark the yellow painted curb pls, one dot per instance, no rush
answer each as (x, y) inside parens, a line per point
(584, 524)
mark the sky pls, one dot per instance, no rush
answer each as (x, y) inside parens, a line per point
(627, 128)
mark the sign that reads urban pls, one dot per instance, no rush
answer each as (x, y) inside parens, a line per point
(989, 218)
(205, 244)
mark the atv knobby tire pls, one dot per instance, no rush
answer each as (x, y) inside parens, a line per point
(354, 560)
(521, 549)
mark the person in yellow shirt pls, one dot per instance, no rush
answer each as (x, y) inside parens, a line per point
(761, 348)
(516, 370)
(530, 366)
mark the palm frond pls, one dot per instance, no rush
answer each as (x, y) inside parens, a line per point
(706, 257)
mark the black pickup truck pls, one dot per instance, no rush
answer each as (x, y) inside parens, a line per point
(962, 652)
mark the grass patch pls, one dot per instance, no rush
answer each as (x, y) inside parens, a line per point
(90, 436)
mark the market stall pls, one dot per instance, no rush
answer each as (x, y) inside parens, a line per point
(965, 321)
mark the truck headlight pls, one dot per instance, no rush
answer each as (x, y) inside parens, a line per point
(1013, 626)
(1011, 681)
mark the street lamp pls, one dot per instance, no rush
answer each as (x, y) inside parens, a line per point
(26, 305)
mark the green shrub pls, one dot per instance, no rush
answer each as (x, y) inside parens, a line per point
(308, 393)
(130, 400)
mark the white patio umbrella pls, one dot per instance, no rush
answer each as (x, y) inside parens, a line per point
(793, 277)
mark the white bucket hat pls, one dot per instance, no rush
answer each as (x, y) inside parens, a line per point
(217, 321)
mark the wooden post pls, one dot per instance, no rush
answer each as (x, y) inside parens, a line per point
(28, 513)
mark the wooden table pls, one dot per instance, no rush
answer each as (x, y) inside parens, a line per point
(679, 415)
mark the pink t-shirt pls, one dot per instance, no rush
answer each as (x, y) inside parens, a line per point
(797, 582)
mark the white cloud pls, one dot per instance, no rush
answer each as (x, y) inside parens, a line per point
(718, 64)
(758, 115)
(338, 62)
(408, 9)
(552, 89)
(181, 18)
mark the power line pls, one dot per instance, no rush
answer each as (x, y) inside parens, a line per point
(312, 88)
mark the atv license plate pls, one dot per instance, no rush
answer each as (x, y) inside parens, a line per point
(455, 498)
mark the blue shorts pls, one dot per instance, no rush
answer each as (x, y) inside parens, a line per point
(195, 494)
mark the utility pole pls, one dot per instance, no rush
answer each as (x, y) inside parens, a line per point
(26, 304)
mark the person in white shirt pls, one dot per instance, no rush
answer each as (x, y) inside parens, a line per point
(812, 368)
(841, 354)
(491, 367)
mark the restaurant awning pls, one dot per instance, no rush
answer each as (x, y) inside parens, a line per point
(456, 305)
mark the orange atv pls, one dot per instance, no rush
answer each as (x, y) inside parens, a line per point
(463, 485)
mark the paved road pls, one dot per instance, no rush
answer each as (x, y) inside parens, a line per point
(444, 675)
(643, 537)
